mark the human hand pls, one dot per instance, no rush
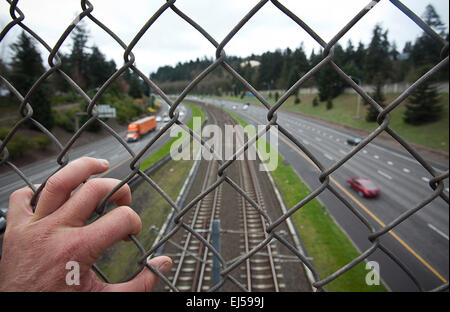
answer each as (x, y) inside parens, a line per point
(37, 246)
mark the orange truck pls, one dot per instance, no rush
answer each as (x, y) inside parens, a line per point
(140, 127)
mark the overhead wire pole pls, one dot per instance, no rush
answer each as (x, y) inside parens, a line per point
(358, 104)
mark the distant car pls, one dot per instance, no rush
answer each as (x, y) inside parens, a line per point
(245, 107)
(364, 187)
(158, 118)
(353, 141)
(166, 119)
(181, 113)
(3, 212)
(234, 107)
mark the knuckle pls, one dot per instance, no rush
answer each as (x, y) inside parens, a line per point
(131, 218)
(93, 186)
(54, 185)
(18, 194)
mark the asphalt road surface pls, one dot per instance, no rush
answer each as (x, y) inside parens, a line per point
(421, 242)
(107, 148)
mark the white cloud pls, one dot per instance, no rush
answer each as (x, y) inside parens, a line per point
(170, 39)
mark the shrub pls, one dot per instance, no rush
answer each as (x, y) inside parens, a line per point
(18, 145)
(42, 142)
(329, 104)
(315, 102)
(65, 120)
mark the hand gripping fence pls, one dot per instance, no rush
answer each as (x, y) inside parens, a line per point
(436, 184)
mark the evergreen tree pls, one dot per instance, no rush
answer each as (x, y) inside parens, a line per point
(426, 50)
(78, 57)
(98, 69)
(315, 102)
(329, 104)
(26, 68)
(377, 62)
(378, 96)
(423, 104)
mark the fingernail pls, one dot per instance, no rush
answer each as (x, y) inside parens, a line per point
(104, 162)
(164, 267)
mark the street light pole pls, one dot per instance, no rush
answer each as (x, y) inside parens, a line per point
(358, 105)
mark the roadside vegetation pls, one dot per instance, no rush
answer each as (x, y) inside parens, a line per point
(165, 150)
(55, 103)
(324, 241)
(120, 260)
(421, 119)
(433, 135)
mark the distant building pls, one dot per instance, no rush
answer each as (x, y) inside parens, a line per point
(252, 63)
(403, 56)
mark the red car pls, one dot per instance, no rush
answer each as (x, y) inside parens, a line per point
(364, 187)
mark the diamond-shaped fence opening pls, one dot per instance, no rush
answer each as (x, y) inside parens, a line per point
(250, 196)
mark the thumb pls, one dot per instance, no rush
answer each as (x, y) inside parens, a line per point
(145, 280)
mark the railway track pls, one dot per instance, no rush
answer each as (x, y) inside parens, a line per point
(192, 269)
(261, 271)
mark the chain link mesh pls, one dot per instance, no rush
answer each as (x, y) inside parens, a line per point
(88, 13)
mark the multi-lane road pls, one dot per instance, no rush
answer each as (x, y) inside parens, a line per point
(108, 148)
(421, 242)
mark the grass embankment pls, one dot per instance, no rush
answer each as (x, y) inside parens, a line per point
(120, 260)
(322, 238)
(163, 151)
(433, 135)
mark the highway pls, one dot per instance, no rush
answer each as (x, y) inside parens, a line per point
(421, 242)
(107, 148)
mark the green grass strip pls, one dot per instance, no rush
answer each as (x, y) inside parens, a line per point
(322, 238)
(433, 135)
(164, 150)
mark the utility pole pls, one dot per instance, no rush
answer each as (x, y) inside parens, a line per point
(358, 105)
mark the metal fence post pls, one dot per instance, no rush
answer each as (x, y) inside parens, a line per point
(216, 245)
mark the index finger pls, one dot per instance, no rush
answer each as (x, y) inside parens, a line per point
(58, 187)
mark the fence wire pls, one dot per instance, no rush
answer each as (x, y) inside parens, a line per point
(436, 184)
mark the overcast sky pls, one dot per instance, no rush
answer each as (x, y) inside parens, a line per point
(170, 39)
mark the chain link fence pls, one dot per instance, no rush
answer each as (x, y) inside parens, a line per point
(436, 185)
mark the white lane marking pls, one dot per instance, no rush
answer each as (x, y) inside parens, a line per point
(384, 175)
(364, 151)
(376, 156)
(330, 136)
(431, 226)
(406, 170)
(390, 163)
(300, 130)
(318, 139)
(91, 153)
(378, 147)
(328, 156)
(337, 140)
(425, 179)
(342, 151)
(305, 142)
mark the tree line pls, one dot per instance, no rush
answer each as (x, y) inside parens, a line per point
(378, 63)
(86, 65)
